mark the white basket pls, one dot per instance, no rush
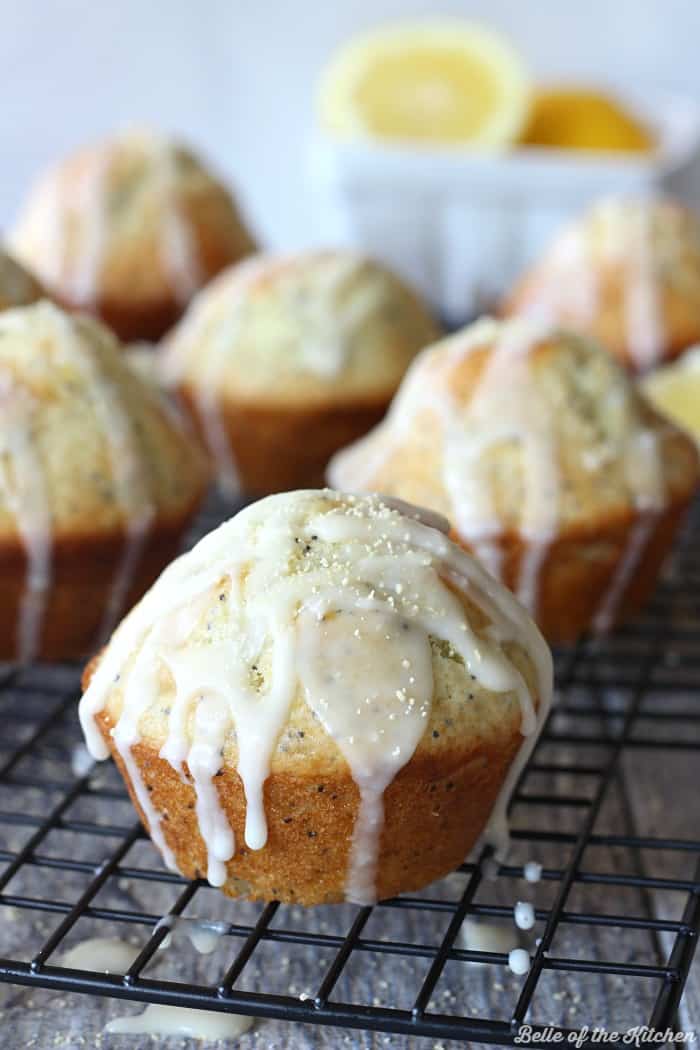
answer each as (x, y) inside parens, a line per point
(462, 225)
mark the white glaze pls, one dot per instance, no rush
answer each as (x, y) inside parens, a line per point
(111, 955)
(24, 488)
(571, 297)
(55, 223)
(389, 578)
(487, 937)
(233, 285)
(506, 405)
(89, 193)
(132, 486)
(157, 1019)
(381, 733)
(422, 514)
(178, 246)
(82, 201)
(139, 522)
(203, 934)
(623, 232)
(524, 915)
(101, 954)
(532, 871)
(31, 506)
(646, 338)
(81, 761)
(330, 323)
(519, 961)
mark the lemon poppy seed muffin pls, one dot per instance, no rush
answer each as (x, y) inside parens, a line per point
(285, 358)
(17, 286)
(129, 230)
(628, 274)
(553, 468)
(324, 700)
(97, 483)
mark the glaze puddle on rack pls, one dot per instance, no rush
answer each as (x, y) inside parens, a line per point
(608, 807)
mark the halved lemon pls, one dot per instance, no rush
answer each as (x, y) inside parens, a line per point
(585, 119)
(445, 82)
(675, 391)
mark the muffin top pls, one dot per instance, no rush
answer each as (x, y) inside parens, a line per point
(87, 447)
(514, 427)
(628, 272)
(17, 286)
(137, 219)
(312, 327)
(317, 634)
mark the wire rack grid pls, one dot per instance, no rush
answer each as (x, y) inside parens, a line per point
(617, 909)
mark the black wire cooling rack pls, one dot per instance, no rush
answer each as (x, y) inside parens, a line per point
(617, 908)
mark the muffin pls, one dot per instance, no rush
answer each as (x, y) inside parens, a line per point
(628, 274)
(97, 483)
(284, 359)
(323, 700)
(17, 286)
(129, 230)
(556, 472)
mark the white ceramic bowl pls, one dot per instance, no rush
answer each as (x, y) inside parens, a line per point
(462, 225)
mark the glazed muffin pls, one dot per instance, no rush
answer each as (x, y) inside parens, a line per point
(284, 359)
(323, 700)
(17, 286)
(129, 230)
(628, 274)
(97, 483)
(556, 472)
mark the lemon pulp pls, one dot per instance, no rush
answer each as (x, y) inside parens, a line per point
(578, 118)
(429, 95)
(437, 82)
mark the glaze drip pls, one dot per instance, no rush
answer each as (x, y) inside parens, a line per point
(160, 1020)
(505, 408)
(23, 480)
(232, 286)
(350, 636)
(179, 247)
(85, 266)
(508, 405)
(79, 217)
(132, 485)
(620, 235)
(24, 489)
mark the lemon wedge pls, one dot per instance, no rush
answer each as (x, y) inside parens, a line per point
(445, 82)
(675, 391)
(583, 119)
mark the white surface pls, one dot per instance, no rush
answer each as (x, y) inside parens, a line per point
(237, 78)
